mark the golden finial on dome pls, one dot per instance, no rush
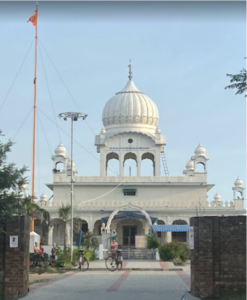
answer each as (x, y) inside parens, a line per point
(130, 73)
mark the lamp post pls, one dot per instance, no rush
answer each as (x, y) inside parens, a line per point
(74, 116)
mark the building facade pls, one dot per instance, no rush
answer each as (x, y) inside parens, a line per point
(131, 204)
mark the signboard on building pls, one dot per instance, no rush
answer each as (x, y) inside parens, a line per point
(13, 241)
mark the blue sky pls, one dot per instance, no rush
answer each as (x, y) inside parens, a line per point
(180, 51)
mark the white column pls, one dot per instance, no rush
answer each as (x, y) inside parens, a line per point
(139, 164)
(168, 237)
(50, 235)
(121, 167)
(157, 163)
(102, 164)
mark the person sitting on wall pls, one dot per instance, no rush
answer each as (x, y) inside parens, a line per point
(41, 251)
(36, 248)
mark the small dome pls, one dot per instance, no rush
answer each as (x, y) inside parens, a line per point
(69, 165)
(44, 197)
(190, 165)
(200, 150)
(102, 131)
(60, 150)
(217, 197)
(238, 182)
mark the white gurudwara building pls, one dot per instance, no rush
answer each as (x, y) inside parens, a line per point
(134, 206)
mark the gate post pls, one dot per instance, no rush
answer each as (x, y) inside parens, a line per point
(17, 257)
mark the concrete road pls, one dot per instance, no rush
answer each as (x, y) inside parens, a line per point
(120, 285)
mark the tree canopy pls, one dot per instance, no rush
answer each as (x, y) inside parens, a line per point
(12, 200)
(238, 82)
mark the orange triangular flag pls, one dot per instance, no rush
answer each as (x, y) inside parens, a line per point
(34, 19)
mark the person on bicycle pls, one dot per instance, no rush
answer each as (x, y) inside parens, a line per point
(114, 247)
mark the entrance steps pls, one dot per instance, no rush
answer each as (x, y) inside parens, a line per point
(137, 253)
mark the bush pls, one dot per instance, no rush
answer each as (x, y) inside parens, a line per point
(153, 242)
(89, 254)
(63, 258)
(174, 250)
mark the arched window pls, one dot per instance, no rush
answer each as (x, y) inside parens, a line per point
(160, 222)
(200, 167)
(59, 166)
(97, 227)
(179, 236)
(239, 195)
(130, 164)
(147, 162)
(112, 164)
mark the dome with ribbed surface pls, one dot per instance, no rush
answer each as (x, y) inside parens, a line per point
(130, 109)
(238, 182)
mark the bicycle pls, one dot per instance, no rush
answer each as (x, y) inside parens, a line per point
(83, 262)
(113, 262)
(38, 264)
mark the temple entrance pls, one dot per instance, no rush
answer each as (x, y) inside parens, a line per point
(129, 233)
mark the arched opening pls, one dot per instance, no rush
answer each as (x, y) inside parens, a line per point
(58, 231)
(161, 235)
(130, 164)
(59, 166)
(112, 164)
(179, 236)
(147, 165)
(200, 167)
(239, 195)
(41, 228)
(97, 227)
(126, 230)
(78, 225)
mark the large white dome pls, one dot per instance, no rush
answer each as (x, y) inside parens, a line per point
(130, 110)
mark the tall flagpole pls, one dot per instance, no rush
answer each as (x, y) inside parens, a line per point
(34, 115)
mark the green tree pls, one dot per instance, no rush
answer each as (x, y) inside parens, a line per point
(238, 82)
(64, 214)
(90, 241)
(153, 242)
(12, 200)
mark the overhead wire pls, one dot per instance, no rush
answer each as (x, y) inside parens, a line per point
(75, 102)
(49, 94)
(74, 139)
(22, 124)
(16, 76)
(44, 133)
(84, 201)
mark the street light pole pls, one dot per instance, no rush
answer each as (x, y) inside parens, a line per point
(74, 116)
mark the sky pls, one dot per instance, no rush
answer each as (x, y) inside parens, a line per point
(180, 52)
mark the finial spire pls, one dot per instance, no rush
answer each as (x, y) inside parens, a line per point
(130, 73)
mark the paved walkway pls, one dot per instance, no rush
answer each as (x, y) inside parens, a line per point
(158, 283)
(134, 265)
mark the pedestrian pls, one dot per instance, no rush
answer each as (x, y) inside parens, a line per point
(53, 252)
(114, 235)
